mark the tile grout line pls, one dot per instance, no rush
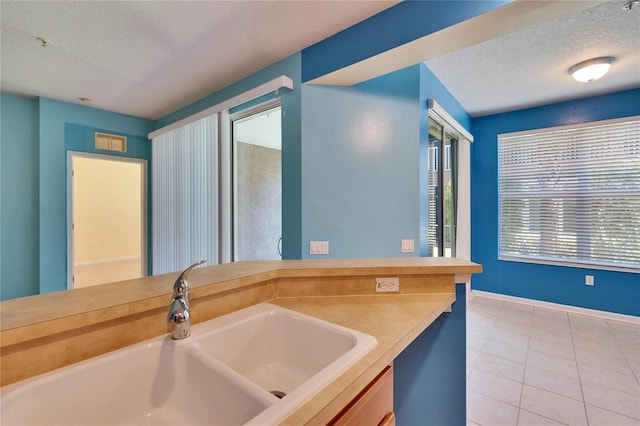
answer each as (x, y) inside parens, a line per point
(524, 373)
(573, 344)
(493, 320)
(543, 389)
(553, 371)
(624, 355)
(545, 417)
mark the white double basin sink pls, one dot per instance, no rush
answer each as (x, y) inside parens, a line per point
(233, 370)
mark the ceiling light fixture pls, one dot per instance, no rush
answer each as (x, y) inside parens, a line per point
(592, 69)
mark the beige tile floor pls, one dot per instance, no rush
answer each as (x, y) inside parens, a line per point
(535, 366)
(108, 272)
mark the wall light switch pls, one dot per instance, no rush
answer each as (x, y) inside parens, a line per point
(407, 246)
(318, 247)
(588, 280)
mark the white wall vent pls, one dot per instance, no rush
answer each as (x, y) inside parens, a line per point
(108, 142)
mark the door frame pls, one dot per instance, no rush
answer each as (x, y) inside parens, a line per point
(463, 207)
(70, 213)
(231, 208)
(441, 167)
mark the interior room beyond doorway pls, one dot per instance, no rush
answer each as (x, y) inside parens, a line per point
(107, 220)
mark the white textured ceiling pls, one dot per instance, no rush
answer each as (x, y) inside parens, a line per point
(149, 58)
(529, 67)
(263, 129)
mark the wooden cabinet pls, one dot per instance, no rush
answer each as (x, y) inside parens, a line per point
(388, 420)
(373, 406)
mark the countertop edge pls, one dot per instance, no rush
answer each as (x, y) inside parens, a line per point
(62, 311)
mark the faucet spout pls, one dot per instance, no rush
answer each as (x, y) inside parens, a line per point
(179, 312)
(180, 316)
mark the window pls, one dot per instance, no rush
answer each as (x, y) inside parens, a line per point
(571, 195)
(442, 191)
(445, 220)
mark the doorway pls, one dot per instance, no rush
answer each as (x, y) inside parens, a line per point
(106, 238)
(442, 188)
(257, 183)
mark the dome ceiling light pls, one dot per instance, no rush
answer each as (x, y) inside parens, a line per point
(591, 70)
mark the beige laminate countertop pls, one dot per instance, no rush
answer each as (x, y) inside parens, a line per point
(104, 302)
(41, 333)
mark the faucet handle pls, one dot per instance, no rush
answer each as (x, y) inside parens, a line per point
(181, 286)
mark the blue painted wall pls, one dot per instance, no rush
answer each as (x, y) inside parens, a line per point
(361, 155)
(19, 204)
(400, 24)
(291, 136)
(53, 116)
(429, 375)
(361, 192)
(34, 221)
(360, 166)
(613, 291)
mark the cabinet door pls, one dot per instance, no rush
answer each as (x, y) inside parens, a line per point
(373, 406)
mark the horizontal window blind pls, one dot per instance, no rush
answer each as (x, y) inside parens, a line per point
(571, 195)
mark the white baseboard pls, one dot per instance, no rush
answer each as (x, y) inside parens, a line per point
(557, 306)
(107, 260)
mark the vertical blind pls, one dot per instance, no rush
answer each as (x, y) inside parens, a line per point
(185, 196)
(571, 195)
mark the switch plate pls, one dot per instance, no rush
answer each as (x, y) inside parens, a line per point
(588, 280)
(318, 247)
(407, 246)
(386, 285)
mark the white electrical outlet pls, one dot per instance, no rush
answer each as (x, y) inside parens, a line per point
(384, 285)
(588, 280)
(318, 247)
(407, 246)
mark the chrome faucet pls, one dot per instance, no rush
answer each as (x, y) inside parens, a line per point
(179, 313)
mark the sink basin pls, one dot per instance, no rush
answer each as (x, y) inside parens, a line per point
(159, 383)
(222, 375)
(279, 349)
(284, 352)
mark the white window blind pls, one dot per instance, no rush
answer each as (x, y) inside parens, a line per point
(571, 195)
(185, 196)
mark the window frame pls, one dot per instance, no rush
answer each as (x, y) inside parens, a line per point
(540, 259)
